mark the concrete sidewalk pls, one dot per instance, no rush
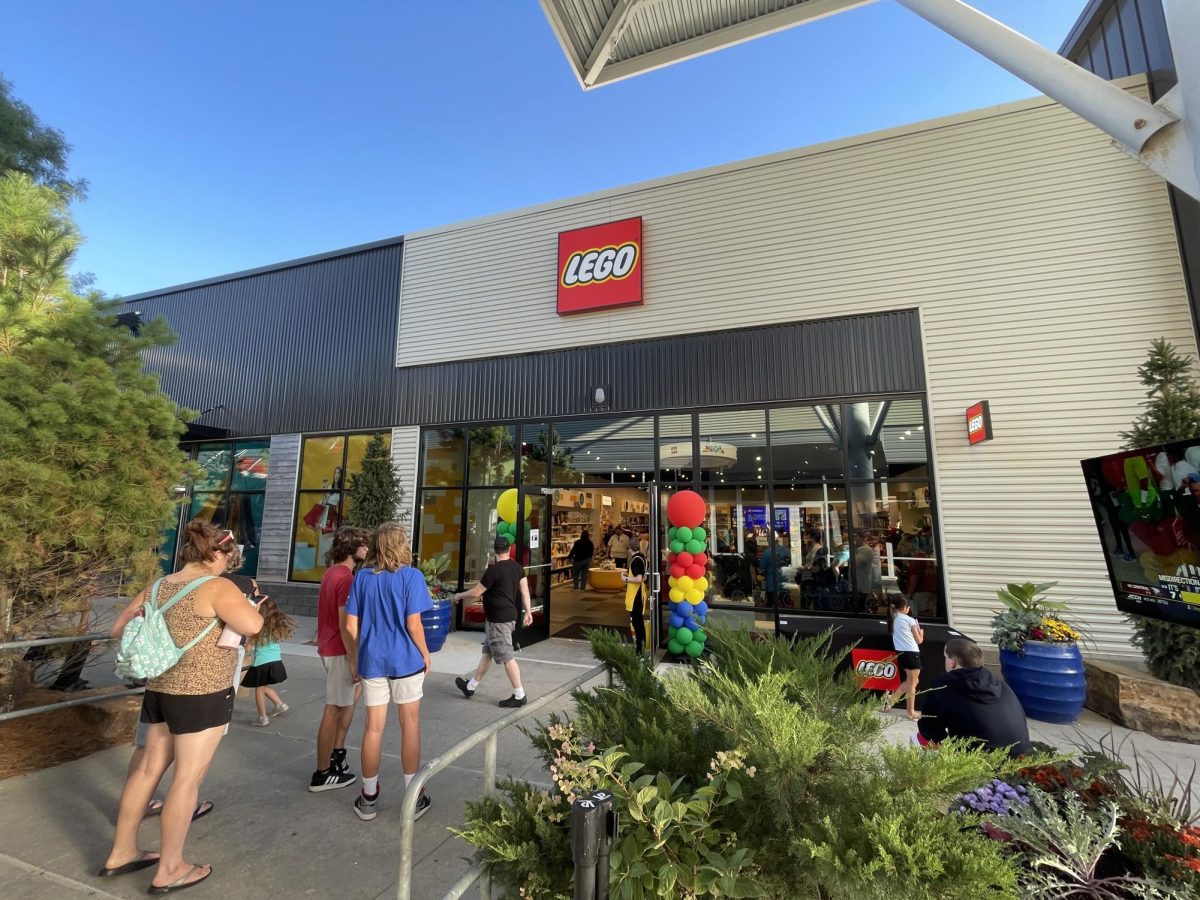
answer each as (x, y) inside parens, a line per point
(268, 838)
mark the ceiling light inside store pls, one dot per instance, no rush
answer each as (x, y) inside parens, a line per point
(908, 432)
(754, 435)
(758, 459)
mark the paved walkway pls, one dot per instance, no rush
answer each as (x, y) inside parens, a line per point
(268, 838)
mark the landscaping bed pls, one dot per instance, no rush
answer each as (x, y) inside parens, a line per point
(61, 735)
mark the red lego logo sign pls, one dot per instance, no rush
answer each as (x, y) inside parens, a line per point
(979, 423)
(876, 670)
(600, 267)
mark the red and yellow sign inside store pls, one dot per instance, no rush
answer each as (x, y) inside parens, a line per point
(600, 267)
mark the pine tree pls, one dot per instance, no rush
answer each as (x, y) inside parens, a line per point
(89, 445)
(1172, 652)
(374, 494)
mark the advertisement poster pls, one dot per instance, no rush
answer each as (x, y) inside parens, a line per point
(1146, 504)
(756, 520)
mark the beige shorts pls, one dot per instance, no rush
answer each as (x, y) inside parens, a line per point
(339, 685)
(381, 691)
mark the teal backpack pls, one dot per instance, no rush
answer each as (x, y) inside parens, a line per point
(147, 648)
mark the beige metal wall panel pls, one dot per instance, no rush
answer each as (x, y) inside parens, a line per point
(1042, 260)
(406, 445)
(279, 508)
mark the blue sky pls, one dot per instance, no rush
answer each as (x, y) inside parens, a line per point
(227, 134)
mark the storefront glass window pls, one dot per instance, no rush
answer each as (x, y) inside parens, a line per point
(805, 444)
(894, 548)
(441, 529)
(675, 445)
(327, 463)
(738, 532)
(229, 494)
(536, 452)
(887, 439)
(491, 454)
(443, 452)
(603, 451)
(733, 447)
(815, 526)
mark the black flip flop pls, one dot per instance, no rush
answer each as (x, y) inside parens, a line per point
(135, 866)
(180, 884)
(203, 808)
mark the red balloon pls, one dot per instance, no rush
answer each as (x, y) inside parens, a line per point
(700, 559)
(671, 558)
(694, 571)
(686, 509)
(684, 559)
(678, 571)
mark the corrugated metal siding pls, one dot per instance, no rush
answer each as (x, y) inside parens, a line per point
(1116, 38)
(279, 508)
(284, 350)
(406, 446)
(1043, 263)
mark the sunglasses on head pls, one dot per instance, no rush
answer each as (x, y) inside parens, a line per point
(226, 537)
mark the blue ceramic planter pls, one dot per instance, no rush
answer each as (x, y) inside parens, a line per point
(1048, 680)
(437, 624)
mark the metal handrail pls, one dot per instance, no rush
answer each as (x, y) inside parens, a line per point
(99, 636)
(489, 737)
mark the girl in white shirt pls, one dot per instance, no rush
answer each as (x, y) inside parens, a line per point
(907, 636)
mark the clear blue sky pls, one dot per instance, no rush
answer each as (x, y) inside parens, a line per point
(227, 134)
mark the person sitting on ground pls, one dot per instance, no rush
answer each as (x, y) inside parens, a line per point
(970, 702)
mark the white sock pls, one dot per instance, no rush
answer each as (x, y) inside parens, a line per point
(472, 683)
(408, 779)
(519, 693)
(370, 785)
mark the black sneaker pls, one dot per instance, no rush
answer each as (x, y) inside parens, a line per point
(423, 804)
(337, 760)
(513, 703)
(364, 806)
(330, 780)
(461, 684)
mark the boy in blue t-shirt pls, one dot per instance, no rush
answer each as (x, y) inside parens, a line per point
(383, 616)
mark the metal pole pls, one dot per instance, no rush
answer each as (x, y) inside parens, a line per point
(79, 701)
(1128, 119)
(46, 642)
(1183, 28)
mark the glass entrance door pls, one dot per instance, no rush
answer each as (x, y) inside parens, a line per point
(533, 552)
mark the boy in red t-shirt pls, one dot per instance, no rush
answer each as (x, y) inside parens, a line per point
(338, 654)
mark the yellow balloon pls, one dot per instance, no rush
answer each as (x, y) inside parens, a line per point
(684, 583)
(693, 596)
(506, 506)
(673, 582)
(676, 595)
(701, 584)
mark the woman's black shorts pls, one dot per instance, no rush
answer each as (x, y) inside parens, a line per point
(188, 713)
(907, 660)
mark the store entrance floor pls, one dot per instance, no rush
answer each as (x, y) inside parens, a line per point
(572, 611)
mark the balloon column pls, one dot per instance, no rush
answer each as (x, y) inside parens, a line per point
(688, 561)
(506, 509)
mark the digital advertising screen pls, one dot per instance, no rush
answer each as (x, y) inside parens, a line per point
(1146, 504)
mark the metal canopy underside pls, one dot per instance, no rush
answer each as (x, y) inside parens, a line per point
(607, 40)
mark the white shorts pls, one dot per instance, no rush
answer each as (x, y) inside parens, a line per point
(339, 686)
(381, 691)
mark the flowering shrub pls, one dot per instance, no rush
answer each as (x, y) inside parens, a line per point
(1028, 616)
(997, 798)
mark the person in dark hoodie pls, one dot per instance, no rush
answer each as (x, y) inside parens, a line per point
(970, 702)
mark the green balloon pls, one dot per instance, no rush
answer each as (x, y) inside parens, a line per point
(671, 533)
(675, 647)
(699, 636)
(684, 635)
(683, 533)
(693, 547)
(694, 649)
(671, 629)
(676, 546)
(503, 527)
(699, 534)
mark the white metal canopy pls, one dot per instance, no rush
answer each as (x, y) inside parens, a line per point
(608, 40)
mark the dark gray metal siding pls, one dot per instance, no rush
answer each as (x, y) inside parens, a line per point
(309, 347)
(1116, 38)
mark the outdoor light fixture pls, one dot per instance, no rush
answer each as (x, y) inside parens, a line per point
(601, 396)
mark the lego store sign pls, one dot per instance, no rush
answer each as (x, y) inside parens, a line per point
(979, 423)
(876, 670)
(600, 267)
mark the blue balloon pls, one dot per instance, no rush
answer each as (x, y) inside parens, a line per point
(702, 609)
(693, 623)
(683, 609)
(677, 621)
